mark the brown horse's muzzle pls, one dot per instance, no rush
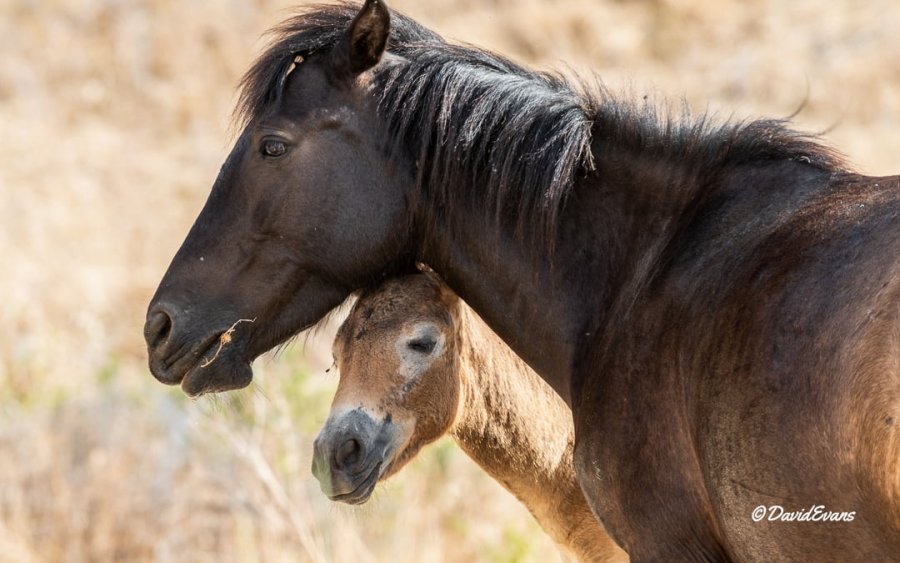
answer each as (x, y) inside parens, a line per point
(351, 454)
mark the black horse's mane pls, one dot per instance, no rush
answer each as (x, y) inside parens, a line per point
(492, 135)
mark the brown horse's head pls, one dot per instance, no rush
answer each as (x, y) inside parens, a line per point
(399, 388)
(306, 209)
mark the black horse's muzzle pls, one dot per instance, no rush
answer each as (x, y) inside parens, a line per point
(201, 362)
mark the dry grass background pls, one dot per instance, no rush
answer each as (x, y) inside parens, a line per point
(114, 117)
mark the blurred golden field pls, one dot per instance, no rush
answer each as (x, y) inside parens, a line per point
(115, 119)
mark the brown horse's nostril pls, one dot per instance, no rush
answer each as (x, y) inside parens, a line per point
(348, 454)
(158, 328)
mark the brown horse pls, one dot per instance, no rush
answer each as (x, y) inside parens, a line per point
(720, 305)
(412, 354)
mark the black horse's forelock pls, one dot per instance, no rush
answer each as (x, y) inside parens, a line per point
(315, 28)
(491, 135)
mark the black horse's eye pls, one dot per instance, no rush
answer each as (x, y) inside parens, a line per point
(423, 345)
(273, 148)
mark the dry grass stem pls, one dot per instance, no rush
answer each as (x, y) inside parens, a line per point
(225, 339)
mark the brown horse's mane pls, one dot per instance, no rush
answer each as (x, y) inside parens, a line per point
(493, 136)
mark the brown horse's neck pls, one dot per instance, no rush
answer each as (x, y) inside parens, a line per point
(521, 433)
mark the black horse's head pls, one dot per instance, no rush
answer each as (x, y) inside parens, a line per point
(306, 209)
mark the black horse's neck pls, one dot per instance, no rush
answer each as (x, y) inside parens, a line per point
(529, 308)
(496, 148)
(612, 234)
(547, 208)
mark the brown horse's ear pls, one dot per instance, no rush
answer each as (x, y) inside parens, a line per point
(448, 297)
(366, 38)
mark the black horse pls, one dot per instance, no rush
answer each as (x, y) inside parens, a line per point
(718, 304)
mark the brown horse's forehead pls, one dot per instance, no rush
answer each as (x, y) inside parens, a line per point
(386, 311)
(392, 319)
(414, 292)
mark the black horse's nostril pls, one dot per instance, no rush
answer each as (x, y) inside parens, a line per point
(348, 454)
(158, 328)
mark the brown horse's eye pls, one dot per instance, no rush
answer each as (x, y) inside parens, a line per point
(273, 148)
(423, 345)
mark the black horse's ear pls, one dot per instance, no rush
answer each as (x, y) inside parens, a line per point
(366, 38)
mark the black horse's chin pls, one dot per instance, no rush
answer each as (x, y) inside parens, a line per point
(224, 373)
(225, 363)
